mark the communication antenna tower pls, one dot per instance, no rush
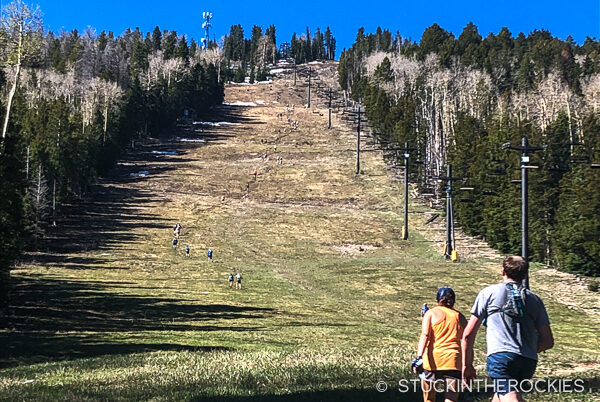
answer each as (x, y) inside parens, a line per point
(206, 16)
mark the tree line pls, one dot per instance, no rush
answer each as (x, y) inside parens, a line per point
(72, 103)
(459, 99)
(250, 57)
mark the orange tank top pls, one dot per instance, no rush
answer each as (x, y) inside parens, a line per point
(443, 351)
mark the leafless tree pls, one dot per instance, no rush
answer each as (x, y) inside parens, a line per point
(20, 33)
(211, 56)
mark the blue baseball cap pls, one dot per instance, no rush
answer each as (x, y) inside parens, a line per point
(443, 292)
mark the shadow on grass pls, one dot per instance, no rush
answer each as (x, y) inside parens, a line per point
(358, 395)
(57, 319)
(104, 218)
(112, 209)
(53, 319)
(591, 386)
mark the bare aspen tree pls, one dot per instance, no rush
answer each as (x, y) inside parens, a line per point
(110, 96)
(374, 60)
(406, 72)
(155, 65)
(20, 31)
(211, 56)
(89, 101)
(549, 99)
(441, 93)
(90, 59)
(173, 70)
(590, 86)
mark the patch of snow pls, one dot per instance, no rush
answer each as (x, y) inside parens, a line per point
(274, 102)
(164, 152)
(190, 139)
(216, 124)
(141, 173)
(260, 102)
(239, 103)
(248, 83)
(315, 62)
(279, 70)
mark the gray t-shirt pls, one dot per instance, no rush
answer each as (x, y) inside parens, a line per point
(505, 333)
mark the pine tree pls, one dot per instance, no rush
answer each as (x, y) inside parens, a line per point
(139, 58)
(102, 41)
(37, 206)
(11, 217)
(182, 49)
(252, 74)
(240, 75)
(168, 45)
(56, 59)
(328, 38)
(193, 48)
(318, 47)
(384, 71)
(468, 46)
(256, 36)
(156, 39)
(525, 75)
(308, 56)
(432, 40)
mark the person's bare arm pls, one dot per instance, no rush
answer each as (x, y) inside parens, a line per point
(546, 339)
(425, 330)
(467, 343)
(463, 321)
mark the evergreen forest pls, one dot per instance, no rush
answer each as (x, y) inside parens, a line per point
(457, 100)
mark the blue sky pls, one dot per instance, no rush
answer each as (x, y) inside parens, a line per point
(578, 18)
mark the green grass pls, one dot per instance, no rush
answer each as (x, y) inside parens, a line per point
(110, 312)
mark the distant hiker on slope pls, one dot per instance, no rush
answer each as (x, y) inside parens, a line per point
(238, 281)
(177, 230)
(175, 241)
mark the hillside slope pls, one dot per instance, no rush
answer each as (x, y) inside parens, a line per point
(331, 296)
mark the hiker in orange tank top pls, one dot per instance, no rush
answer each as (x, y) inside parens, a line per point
(439, 348)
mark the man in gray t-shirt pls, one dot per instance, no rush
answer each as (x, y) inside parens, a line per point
(517, 330)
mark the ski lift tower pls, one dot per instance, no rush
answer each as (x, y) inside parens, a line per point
(207, 16)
